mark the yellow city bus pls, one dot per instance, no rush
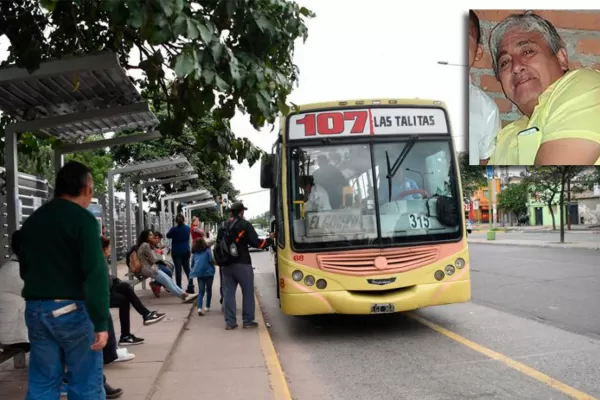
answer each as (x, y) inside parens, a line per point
(369, 208)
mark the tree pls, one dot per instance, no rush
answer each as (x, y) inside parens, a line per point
(261, 220)
(38, 159)
(514, 198)
(199, 58)
(214, 171)
(472, 176)
(550, 182)
(544, 183)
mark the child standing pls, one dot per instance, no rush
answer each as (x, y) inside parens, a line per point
(203, 268)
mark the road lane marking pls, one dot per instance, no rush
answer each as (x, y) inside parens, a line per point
(524, 369)
(279, 385)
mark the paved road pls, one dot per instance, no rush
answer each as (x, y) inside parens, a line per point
(527, 311)
(544, 236)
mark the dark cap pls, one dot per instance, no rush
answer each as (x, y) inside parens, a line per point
(237, 207)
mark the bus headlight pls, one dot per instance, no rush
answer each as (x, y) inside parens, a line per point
(297, 275)
(449, 269)
(321, 284)
(460, 263)
(439, 275)
(309, 280)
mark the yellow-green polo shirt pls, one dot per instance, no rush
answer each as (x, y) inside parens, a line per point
(567, 109)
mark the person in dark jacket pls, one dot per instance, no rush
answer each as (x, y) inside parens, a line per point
(241, 272)
(180, 251)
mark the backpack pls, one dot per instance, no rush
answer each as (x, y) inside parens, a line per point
(133, 262)
(226, 251)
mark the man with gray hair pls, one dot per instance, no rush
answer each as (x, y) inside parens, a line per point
(561, 108)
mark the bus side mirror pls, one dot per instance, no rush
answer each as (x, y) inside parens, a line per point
(266, 172)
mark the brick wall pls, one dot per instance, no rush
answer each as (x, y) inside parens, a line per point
(579, 29)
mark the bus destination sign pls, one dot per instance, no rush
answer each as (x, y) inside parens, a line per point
(369, 121)
(334, 222)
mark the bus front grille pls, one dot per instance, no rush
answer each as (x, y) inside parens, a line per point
(380, 261)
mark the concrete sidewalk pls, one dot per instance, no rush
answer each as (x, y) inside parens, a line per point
(185, 355)
(537, 243)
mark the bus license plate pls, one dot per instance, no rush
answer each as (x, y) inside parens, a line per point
(382, 308)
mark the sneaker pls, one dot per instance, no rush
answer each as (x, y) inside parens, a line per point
(231, 327)
(252, 324)
(207, 309)
(130, 340)
(200, 311)
(189, 298)
(112, 393)
(153, 318)
(124, 355)
(155, 289)
(190, 290)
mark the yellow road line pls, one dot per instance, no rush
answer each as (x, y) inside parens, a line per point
(279, 385)
(532, 373)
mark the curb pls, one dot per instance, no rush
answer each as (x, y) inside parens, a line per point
(542, 245)
(155, 385)
(279, 385)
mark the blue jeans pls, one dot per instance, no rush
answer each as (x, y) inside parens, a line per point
(205, 284)
(58, 343)
(167, 282)
(164, 269)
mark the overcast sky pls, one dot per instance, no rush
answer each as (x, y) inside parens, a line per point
(374, 49)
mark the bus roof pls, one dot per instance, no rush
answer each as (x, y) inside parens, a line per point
(369, 102)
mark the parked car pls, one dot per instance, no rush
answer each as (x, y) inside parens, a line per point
(469, 227)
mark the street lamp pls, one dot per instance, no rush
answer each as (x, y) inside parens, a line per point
(452, 64)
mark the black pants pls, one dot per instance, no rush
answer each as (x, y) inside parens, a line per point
(182, 260)
(123, 297)
(110, 350)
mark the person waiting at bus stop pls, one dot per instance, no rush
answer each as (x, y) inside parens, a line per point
(241, 272)
(66, 291)
(180, 251)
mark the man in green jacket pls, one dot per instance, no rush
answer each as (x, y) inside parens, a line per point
(66, 291)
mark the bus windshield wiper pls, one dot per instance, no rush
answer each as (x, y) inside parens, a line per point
(392, 170)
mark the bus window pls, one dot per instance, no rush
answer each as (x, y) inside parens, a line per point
(325, 189)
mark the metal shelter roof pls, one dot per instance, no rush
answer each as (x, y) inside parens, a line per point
(138, 169)
(152, 177)
(74, 97)
(191, 194)
(202, 204)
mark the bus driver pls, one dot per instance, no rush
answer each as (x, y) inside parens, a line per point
(315, 196)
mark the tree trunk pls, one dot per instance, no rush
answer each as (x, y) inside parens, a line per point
(561, 204)
(552, 215)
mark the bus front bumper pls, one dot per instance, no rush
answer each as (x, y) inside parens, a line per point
(368, 302)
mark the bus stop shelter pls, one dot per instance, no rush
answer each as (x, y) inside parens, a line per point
(170, 164)
(70, 99)
(153, 179)
(201, 194)
(187, 210)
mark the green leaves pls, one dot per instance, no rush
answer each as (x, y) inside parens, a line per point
(238, 51)
(185, 64)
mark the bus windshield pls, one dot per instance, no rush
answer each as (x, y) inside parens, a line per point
(401, 191)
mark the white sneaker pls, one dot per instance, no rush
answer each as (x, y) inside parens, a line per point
(200, 312)
(207, 309)
(124, 355)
